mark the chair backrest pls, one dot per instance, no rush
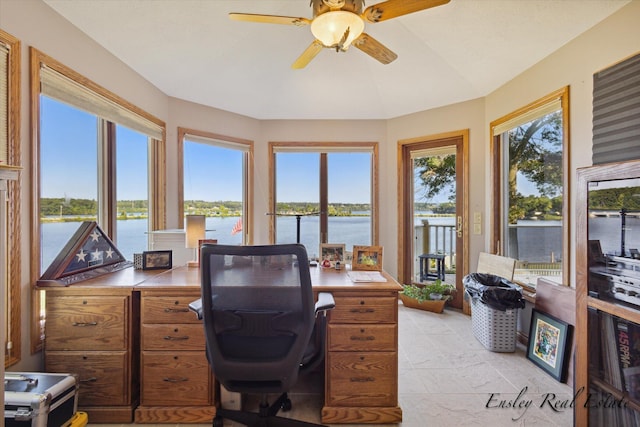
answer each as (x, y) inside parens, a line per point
(497, 265)
(258, 312)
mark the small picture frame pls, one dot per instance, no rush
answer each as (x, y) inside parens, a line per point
(156, 260)
(367, 258)
(548, 344)
(330, 254)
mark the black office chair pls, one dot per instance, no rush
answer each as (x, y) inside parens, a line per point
(261, 324)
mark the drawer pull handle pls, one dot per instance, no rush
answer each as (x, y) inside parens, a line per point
(369, 338)
(363, 310)
(175, 380)
(176, 310)
(89, 380)
(170, 338)
(84, 324)
(362, 379)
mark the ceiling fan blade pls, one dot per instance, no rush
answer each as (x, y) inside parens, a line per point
(374, 48)
(393, 8)
(309, 53)
(270, 19)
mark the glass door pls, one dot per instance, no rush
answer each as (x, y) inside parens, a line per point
(433, 213)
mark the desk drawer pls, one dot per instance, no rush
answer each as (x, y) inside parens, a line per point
(87, 323)
(173, 337)
(362, 379)
(362, 338)
(169, 309)
(364, 310)
(102, 376)
(175, 379)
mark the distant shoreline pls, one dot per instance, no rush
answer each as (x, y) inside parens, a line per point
(80, 218)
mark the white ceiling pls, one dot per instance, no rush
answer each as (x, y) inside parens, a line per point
(463, 50)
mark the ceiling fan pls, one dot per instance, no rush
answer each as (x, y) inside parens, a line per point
(339, 24)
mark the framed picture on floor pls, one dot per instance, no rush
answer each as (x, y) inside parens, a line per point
(547, 347)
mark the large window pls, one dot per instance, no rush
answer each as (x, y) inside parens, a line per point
(10, 196)
(99, 159)
(324, 193)
(217, 183)
(531, 182)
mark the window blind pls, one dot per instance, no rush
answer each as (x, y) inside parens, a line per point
(320, 148)
(527, 117)
(4, 104)
(616, 112)
(65, 89)
(432, 152)
(217, 142)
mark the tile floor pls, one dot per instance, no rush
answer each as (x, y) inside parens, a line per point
(447, 378)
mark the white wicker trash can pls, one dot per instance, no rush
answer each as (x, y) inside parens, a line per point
(495, 329)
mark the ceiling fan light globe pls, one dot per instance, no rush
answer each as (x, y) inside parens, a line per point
(330, 28)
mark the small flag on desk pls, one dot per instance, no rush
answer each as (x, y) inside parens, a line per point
(237, 228)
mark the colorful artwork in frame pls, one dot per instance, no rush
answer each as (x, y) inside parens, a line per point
(547, 348)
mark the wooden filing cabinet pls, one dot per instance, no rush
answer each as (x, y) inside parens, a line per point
(92, 332)
(361, 384)
(176, 381)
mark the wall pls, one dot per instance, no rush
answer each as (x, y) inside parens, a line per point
(35, 24)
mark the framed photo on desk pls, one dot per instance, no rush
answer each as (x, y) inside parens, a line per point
(367, 258)
(330, 254)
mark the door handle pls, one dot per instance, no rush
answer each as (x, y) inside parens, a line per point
(459, 226)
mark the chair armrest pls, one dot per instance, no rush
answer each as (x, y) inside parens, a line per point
(196, 307)
(325, 302)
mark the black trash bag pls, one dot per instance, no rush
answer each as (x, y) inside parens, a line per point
(494, 291)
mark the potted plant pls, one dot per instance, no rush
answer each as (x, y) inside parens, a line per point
(430, 297)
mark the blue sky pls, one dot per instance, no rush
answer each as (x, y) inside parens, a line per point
(68, 164)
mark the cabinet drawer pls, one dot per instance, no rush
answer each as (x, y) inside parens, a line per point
(102, 375)
(362, 338)
(87, 323)
(364, 310)
(168, 310)
(362, 379)
(176, 378)
(173, 337)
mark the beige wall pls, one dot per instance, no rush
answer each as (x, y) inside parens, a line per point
(36, 25)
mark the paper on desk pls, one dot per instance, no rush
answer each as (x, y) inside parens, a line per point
(366, 276)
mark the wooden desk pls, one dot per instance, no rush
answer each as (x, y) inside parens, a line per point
(166, 355)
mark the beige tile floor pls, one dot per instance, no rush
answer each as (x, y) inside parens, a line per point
(447, 378)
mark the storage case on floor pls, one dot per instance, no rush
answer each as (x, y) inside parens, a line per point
(495, 329)
(39, 399)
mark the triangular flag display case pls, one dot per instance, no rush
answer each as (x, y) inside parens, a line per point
(89, 253)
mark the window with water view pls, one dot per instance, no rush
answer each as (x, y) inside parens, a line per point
(533, 159)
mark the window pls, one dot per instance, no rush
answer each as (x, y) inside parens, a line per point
(10, 196)
(531, 164)
(217, 183)
(324, 193)
(100, 159)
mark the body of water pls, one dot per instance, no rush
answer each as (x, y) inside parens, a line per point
(537, 239)
(132, 234)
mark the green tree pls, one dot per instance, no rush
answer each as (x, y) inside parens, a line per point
(535, 152)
